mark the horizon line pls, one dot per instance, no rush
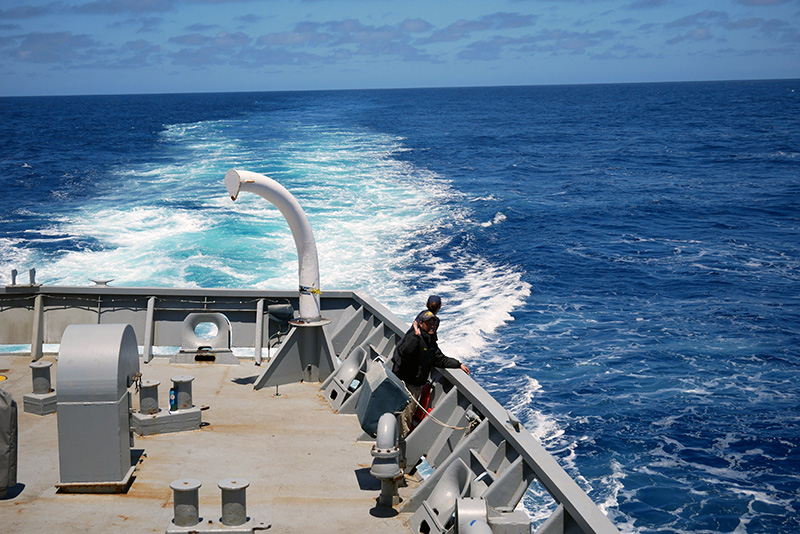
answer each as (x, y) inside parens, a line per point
(420, 88)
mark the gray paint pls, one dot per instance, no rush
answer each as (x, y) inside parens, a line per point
(97, 363)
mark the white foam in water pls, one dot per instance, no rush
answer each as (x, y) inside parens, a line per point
(375, 219)
(498, 218)
(541, 426)
(133, 244)
(476, 305)
(14, 256)
(613, 484)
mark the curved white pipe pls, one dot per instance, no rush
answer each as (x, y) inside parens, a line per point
(308, 263)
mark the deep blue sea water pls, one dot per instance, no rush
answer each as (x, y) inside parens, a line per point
(620, 264)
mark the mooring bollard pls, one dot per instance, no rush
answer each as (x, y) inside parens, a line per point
(43, 400)
(185, 496)
(41, 377)
(183, 387)
(148, 397)
(234, 506)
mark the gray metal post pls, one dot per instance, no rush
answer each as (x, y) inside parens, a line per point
(259, 343)
(41, 377)
(148, 396)
(37, 337)
(234, 506)
(183, 389)
(186, 501)
(149, 326)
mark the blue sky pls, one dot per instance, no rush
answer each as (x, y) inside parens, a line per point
(157, 46)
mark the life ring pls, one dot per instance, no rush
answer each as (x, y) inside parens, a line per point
(425, 400)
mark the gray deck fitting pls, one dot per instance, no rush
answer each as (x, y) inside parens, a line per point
(196, 349)
(218, 356)
(234, 510)
(167, 422)
(182, 384)
(148, 397)
(216, 527)
(305, 355)
(186, 503)
(43, 399)
(234, 505)
(515, 522)
(150, 420)
(120, 486)
(39, 404)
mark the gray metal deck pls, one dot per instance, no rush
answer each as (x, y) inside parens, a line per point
(307, 471)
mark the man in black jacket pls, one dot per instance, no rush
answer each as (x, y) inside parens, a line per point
(414, 358)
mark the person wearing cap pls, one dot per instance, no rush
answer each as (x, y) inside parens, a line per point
(433, 305)
(414, 357)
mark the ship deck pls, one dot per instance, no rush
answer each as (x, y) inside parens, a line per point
(306, 468)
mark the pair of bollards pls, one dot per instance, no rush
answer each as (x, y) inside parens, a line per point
(185, 495)
(182, 415)
(180, 394)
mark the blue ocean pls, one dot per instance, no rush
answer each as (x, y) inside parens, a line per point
(619, 264)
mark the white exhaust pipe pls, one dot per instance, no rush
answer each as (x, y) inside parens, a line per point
(237, 181)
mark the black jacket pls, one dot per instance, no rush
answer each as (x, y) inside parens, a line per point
(415, 355)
